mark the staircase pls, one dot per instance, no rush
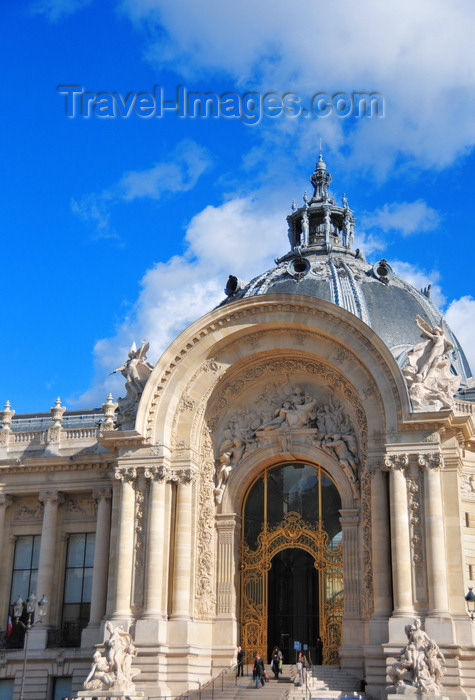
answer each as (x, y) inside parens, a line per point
(325, 682)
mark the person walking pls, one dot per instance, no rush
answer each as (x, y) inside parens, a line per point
(258, 670)
(240, 662)
(302, 666)
(276, 662)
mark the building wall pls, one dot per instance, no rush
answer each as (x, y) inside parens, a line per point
(167, 545)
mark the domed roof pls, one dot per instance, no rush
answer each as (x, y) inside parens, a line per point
(322, 264)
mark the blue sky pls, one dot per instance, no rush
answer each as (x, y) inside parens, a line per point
(122, 228)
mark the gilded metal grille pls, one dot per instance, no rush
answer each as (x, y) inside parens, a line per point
(291, 532)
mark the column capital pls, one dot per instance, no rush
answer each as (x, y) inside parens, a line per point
(125, 474)
(395, 461)
(53, 497)
(183, 476)
(156, 473)
(102, 494)
(5, 499)
(431, 460)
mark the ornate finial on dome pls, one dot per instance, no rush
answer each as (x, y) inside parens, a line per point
(294, 206)
(320, 180)
(306, 197)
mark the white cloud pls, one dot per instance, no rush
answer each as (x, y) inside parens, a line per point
(176, 172)
(417, 55)
(54, 10)
(179, 173)
(420, 279)
(404, 217)
(177, 292)
(460, 316)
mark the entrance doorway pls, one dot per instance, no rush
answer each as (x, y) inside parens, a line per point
(293, 611)
(291, 562)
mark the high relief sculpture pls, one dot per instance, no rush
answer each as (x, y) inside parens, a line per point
(278, 410)
(421, 664)
(136, 371)
(114, 670)
(432, 385)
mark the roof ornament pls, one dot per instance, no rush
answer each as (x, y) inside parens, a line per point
(320, 180)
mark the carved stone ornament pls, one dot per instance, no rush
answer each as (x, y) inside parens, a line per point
(467, 486)
(431, 460)
(125, 474)
(421, 664)
(205, 599)
(429, 378)
(79, 507)
(395, 461)
(367, 599)
(53, 497)
(113, 670)
(275, 414)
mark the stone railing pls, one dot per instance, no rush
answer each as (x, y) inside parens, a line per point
(464, 407)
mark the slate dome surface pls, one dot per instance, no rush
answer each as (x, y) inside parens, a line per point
(322, 264)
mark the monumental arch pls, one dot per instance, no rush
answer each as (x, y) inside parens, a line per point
(298, 463)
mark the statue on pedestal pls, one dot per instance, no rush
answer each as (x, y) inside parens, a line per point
(421, 664)
(114, 670)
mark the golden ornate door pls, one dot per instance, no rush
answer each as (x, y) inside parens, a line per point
(255, 562)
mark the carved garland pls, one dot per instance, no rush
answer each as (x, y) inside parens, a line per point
(205, 599)
(367, 604)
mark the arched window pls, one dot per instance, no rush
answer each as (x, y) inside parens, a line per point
(292, 488)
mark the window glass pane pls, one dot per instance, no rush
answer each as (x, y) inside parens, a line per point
(6, 689)
(292, 488)
(36, 552)
(254, 514)
(76, 548)
(87, 586)
(73, 586)
(62, 688)
(331, 504)
(90, 544)
(33, 580)
(20, 585)
(71, 613)
(23, 549)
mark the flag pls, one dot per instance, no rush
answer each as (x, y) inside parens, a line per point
(9, 626)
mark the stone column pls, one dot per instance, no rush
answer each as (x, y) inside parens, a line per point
(400, 540)
(124, 545)
(157, 533)
(432, 464)
(101, 556)
(47, 559)
(47, 562)
(182, 574)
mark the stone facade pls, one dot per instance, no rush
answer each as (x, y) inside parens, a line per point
(261, 381)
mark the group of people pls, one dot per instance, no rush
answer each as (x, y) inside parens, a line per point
(259, 673)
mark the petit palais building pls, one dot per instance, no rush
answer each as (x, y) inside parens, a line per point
(299, 463)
